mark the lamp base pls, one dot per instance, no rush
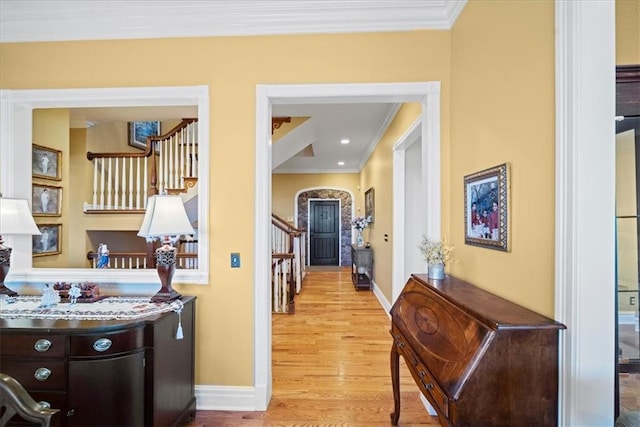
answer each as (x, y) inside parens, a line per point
(5, 257)
(166, 266)
(163, 296)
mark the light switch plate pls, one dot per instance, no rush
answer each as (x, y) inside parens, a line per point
(235, 260)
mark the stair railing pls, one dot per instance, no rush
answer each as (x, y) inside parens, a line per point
(288, 261)
(177, 168)
(137, 260)
(124, 181)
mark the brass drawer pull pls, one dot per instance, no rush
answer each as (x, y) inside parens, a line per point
(102, 344)
(42, 345)
(42, 374)
(45, 404)
(428, 386)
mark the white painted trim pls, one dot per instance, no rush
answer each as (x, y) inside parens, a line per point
(15, 165)
(379, 134)
(225, 398)
(399, 203)
(56, 20)
(426, 92)
(585, 191)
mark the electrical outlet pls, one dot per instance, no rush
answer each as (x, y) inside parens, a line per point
(632, 300)
(235, 260)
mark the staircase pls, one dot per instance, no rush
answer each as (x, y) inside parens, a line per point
(288, 260)
(122, 182)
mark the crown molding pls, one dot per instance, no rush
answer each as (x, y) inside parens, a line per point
(60, 20)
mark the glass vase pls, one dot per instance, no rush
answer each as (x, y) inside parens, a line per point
(435, 271)
(359, 238)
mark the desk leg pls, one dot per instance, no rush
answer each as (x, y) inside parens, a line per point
(395, 382)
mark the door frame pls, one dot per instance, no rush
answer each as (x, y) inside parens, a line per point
(296, 207)
(426, 93)
(315, 199)
(400, 232)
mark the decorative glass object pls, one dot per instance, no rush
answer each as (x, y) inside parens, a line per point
(435, 271)
(360, 239)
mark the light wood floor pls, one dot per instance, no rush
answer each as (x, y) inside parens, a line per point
(330, 364)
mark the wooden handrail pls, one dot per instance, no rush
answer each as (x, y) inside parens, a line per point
(91, 155)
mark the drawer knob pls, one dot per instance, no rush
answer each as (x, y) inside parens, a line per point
(42, 345)
(102, 344)
(428, 386)
(42, 374)
(45, 404)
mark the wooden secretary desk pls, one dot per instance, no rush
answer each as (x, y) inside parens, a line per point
(106, 372)
(479, 359)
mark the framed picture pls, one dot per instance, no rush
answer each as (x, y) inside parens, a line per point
(139, 131)
(46, 200)
(49, 242)
(45, 162)
(369, 204)
(486, 203)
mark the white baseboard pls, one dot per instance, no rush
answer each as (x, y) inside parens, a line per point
(381, 298)
(225, 398)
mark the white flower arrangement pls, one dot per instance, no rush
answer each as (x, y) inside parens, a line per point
(435, 252)
(360, 223)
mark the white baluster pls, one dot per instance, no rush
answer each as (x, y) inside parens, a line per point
(95, 183)
(109, 184)
(145, 187)
(102, 184)
(137, 184)
(116, 202)
(130, 182)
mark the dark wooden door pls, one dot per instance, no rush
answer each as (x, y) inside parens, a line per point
(324, 230)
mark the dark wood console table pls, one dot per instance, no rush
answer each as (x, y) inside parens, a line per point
(106, 372)
(362, 267)
(479, 359)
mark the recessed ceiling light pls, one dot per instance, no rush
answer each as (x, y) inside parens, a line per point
(340, 163)
(344, 141)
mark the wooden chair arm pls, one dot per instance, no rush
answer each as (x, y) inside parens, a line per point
(14, 399)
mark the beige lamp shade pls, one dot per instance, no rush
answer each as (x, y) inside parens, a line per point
(165, 216)
(15, 217)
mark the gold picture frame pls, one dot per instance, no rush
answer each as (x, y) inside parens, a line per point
(49, 242)
(487, 204)
(46, 200)
(46, 162)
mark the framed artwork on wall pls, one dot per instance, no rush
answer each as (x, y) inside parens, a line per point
(139, 131)
(49, 242)
(46, 200)
(486, 208)
(369, 204)
(45, 163)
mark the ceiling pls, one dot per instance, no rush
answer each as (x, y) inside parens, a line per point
(313, 148)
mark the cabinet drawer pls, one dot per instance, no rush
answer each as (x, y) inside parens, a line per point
(44, 345)
(107, 343)
(45, 374)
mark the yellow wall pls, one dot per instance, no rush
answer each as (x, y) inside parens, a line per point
(51, 130)
(378, 173)
(627, 32)
(502, 110)
(231, 67)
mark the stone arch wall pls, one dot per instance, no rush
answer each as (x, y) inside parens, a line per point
(346, 206)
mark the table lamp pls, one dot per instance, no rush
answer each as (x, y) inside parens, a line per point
(15, 218)
(165, 216)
